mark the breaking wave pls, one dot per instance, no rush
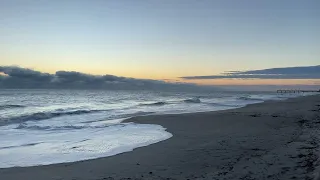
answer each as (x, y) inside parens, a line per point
(47, 115)
(192, 100)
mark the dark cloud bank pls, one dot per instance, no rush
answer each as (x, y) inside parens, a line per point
(22, 78)
(307, 72)
(12, 77)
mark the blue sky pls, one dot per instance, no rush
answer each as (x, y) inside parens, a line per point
(163, 39)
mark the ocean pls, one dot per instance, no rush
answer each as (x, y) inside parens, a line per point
(40, 127)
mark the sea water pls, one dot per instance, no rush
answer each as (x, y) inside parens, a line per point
(40, 127)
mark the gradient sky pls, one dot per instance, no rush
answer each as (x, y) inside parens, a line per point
(162, 39)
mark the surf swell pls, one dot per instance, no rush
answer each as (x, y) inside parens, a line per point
(250, 99)
(10, 106)
(223, 105)
(160, 103)
(18, 146)
(66, 127)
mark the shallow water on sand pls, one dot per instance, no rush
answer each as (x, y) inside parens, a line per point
(54, 126)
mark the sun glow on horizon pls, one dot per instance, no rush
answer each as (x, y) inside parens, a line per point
(161, 40)
(173, 78)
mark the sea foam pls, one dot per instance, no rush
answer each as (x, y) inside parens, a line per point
(39, 127)
(25, 147)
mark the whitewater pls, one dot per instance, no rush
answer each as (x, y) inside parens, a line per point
(41, 127)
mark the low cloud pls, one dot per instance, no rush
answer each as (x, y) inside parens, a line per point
(17, 77)
(306, 72)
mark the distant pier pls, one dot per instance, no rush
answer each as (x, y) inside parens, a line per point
(295, 91)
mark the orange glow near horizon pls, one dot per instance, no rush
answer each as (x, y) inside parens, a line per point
(174, 77)
(160, 40)
(3, 74)
(255, 82)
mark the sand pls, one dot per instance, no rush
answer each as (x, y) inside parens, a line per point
(271, 140)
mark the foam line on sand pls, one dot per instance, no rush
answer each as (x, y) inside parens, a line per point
(271, 140)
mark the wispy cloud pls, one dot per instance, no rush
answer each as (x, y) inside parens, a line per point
(17, 77)
(305, 72)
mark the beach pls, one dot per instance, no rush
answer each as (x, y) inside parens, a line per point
(270, 140)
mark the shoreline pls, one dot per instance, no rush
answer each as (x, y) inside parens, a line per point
(133, 119)
(268, 140)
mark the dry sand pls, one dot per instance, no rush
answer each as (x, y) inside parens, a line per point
(271, 140)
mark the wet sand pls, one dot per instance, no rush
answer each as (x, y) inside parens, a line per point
(271, 140)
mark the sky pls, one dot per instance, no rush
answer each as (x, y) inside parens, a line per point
(162, 40)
